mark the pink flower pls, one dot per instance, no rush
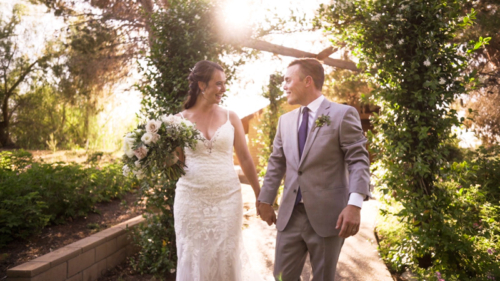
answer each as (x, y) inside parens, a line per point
(491, 251)
(141, 152)
(28, 167)
(155, 138)
(438, 274)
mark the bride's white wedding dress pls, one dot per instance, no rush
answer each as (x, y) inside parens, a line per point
(208, 213)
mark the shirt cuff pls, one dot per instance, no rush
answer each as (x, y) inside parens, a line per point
(356, 199)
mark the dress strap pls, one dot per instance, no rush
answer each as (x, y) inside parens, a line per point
(182, 115)
(227, 115)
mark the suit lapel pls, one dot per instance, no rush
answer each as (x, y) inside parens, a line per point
(295, 136)
(323, 109)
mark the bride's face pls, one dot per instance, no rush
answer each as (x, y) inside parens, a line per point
(216, 87)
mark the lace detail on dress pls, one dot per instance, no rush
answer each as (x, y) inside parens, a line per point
(208, 211)
(209, 143)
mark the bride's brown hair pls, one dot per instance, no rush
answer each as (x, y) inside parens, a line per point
(202, 72)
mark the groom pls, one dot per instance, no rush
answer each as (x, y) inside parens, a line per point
(321, 149)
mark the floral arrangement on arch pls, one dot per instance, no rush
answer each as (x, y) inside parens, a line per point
(151, 148)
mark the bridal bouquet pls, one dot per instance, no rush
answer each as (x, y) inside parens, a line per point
(151, 148)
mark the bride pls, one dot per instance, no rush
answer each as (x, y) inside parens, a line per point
(208, 208)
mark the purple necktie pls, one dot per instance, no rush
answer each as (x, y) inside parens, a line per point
(303, 129)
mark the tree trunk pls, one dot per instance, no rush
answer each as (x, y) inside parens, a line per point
(5, 140)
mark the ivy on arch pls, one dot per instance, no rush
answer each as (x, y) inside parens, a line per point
(407, 50)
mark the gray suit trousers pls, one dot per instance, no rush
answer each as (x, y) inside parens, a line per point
(298, 238)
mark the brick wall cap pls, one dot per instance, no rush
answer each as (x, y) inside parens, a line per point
(131, 223)
(28, 269)
(59, 256)
(87, 243)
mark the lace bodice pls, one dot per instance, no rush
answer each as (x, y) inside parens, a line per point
(211, 161)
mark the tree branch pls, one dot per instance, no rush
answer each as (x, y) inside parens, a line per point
(21, 78)
(290, 52)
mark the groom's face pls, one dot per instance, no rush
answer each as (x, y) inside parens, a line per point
(294, 86)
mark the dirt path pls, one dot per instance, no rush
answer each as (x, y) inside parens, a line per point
(359, 259)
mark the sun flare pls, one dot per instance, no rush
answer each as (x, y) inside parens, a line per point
(237, 13)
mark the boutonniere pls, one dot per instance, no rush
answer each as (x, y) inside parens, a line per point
(322, 120)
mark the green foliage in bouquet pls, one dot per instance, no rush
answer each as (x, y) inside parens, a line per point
(150, 150)
(406, 49)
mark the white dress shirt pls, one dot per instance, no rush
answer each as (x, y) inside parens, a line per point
(355, 199)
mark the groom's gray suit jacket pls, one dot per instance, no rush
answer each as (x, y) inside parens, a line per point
(334, 164)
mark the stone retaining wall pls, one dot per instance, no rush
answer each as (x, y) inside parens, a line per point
(84, 260)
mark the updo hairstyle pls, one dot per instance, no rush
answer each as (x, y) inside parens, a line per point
(202, 72)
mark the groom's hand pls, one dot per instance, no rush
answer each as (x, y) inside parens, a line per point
(267, 213)
(349, 220)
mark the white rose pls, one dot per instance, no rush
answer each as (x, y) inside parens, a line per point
(153, 126)
(139, 174)
(137, 164)
(172, 119)
(126, 170)
(166, 119)
(177, 120)
(427, 62)
(442, 81)
(388, 46)
(401, 41)
(147, 138)
(187, 123)
(128, 143)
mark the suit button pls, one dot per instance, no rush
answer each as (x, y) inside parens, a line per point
(295, 191)
(300, 173)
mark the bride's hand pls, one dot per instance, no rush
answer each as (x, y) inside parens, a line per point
(257, 203)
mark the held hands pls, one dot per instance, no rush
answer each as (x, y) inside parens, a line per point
(267, 213)
(349, 220)
(257, 203)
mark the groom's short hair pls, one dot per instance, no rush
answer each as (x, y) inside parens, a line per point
(311, 67)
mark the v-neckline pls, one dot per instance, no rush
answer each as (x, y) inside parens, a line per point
(215, 133)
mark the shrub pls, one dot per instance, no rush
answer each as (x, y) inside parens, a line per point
(454, 233)
(35, 194)
(485, 166)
